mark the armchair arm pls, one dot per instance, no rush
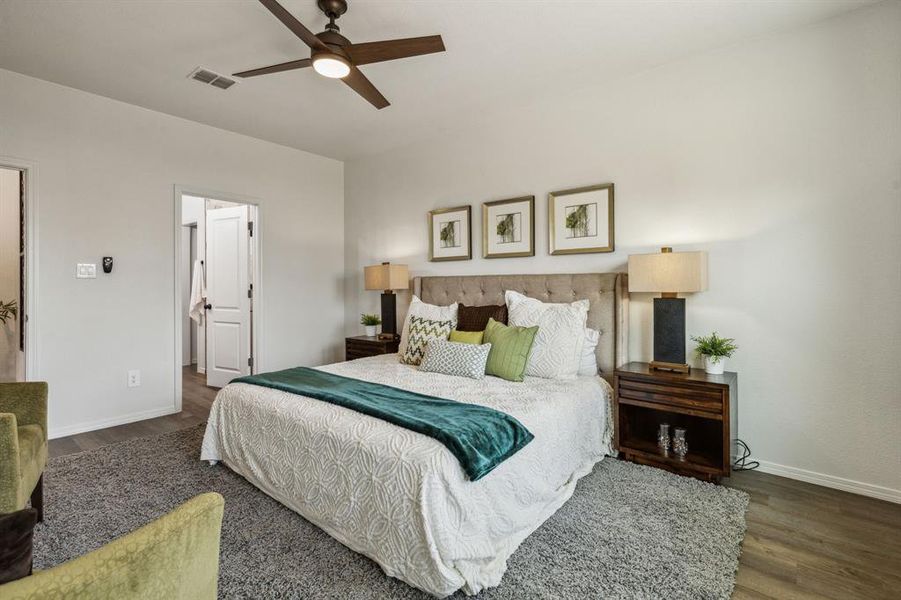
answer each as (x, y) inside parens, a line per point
(175, 557)
(9, 463)
(28, 401)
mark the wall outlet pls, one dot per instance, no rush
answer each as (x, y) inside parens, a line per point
(134, 378)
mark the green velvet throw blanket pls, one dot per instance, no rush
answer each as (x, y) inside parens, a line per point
(480, 437)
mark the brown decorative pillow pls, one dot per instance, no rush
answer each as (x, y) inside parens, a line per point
(15, 544)
(475, 318)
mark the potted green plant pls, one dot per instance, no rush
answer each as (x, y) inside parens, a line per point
(8, 310)
(371, 322)
(715, 350)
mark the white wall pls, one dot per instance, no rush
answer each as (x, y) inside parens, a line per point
(780, 157)
(11, 360)
(107, 173)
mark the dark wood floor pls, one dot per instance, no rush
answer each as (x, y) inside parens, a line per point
(803, 541)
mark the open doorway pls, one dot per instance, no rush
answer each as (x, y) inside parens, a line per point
(12, 274)
(217, 286)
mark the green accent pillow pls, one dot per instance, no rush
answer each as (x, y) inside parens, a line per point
(467, 337)
(510, 348)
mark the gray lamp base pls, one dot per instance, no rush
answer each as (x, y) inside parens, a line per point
(389, 316)
(669, 335)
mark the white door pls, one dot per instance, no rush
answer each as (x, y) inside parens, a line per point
(228, 295)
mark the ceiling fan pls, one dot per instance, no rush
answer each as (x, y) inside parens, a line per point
(334, 56)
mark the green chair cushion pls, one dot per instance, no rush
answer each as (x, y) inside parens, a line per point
(510, 348)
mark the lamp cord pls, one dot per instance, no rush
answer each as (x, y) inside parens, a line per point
(742, 463)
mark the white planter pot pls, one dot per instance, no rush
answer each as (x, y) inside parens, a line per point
(714, 368)
(371, 330)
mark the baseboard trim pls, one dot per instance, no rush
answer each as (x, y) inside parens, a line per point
(830, 481)
(59, 432)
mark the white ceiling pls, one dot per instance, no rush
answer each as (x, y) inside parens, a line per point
(499, 54)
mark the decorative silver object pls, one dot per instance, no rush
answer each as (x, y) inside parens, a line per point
(663, 439)
(680, 446)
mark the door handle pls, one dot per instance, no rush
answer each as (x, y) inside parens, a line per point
(208, 306)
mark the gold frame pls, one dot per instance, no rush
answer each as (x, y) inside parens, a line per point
(441, 211)
(551, 205)
(531, 250)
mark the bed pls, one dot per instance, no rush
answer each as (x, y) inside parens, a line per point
(401, 498)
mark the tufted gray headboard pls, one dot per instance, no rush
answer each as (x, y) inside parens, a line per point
(607, 292)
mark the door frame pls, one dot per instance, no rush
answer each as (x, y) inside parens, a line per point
(256, 277)
(31, 321)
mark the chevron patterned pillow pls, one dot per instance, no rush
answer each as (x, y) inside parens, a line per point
(455, 358)
(422, 331)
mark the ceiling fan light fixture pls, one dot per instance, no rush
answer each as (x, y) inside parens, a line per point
(333, 66)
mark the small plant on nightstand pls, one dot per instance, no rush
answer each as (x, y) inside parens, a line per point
(371, 322)
(715, 350)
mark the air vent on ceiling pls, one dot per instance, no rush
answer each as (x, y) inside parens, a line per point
(212, 78)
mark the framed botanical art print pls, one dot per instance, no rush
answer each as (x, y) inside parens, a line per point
(450, 234)
(508, 228)
(580, 220)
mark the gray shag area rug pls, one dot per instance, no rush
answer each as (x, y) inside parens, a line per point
(628, 531)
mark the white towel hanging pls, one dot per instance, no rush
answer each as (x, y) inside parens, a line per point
(198, 294)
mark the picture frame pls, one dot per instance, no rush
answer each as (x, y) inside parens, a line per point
(508, 228)
(580, 220)
(450, 234)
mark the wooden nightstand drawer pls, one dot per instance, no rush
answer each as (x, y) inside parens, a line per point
(693, 398)
(362, 346)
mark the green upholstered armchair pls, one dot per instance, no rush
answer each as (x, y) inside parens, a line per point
(23, 445)
(175, 557)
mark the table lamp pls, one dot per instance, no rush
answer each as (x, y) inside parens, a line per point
(387, 277)
(669, 273)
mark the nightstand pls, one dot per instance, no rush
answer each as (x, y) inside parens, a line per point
(361, 345)
(705, 405)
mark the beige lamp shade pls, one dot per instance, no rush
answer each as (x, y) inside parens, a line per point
(668, 272)
(386, 277)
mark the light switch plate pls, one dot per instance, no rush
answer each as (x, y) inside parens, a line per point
(86, 271)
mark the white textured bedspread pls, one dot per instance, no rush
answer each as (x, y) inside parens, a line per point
(399, 497)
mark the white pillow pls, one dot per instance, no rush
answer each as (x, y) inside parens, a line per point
(589, 363)
(557, 349)
(418, 308)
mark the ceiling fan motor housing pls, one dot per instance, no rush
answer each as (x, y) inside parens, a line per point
(334, 40)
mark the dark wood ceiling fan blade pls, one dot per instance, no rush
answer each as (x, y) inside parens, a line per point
(285, 66)
(308, 37)
(358, 83)
(372, 52)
